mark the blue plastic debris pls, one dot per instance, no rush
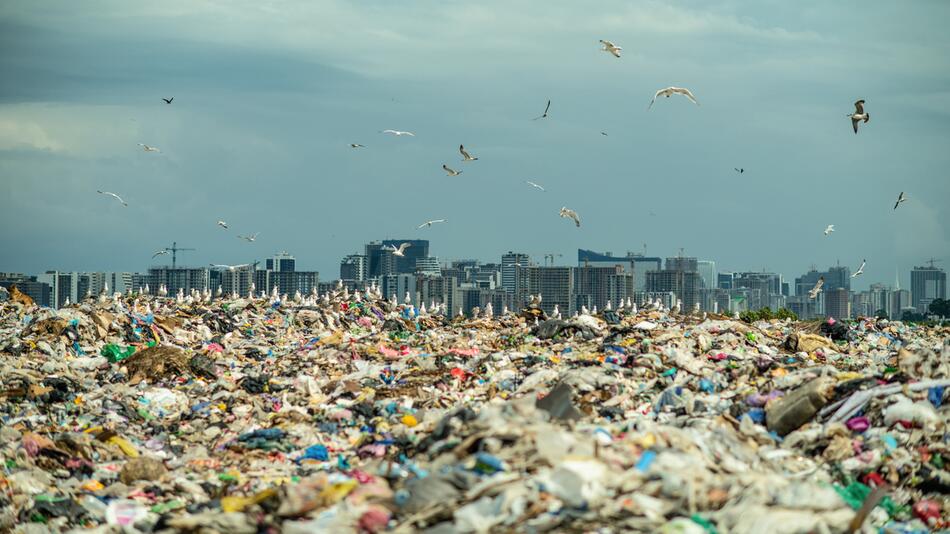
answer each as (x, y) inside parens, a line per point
(315, 452)
(757, 415)
(935, 395)
(646, 460)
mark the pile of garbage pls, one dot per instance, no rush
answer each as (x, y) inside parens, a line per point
(355, 413)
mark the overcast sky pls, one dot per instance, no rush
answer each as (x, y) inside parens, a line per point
(268, 96)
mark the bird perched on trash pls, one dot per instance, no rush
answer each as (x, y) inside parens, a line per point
(398, 133)
(249, 238)
(568, 213)
(669, 91)
(223, 224)
(534, 185)
(401, 250)
(465, 155)
(611, 48)
(428, 224)
(450, 171)
(545, 114)
(900, 199)
(159, 253)
(859, 115)
(860, 270)
(168, 100)
(113, 195)
(829, 229)
(148, 148)
(357, 145)
(813, 292)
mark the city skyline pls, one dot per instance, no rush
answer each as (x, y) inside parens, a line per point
(258, 134)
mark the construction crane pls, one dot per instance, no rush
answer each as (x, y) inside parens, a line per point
(932, 261)
(549, 258)
(175, 249)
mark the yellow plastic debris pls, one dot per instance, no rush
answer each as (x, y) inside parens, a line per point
(409, 420)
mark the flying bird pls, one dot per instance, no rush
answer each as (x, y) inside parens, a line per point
(465, 155)
(860, 270)
(401, 250)
(168, 100)
(859, 115)
(901, 198)
(568, 213)
(740, 171)
(603, 134)
(610, 47)
(669, 91)
(159, 253)
(545, 114)
(113, 195)
(534, 185)
(450, 171)
(223, 224)
(813, 292)
(829, 229)
(430, 223)
(357, 145)
(249, 238)
(229, 267)
(149, 148)
(398, 133)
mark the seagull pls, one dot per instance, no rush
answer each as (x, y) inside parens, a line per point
(430, 223)
(610, 47)
(831, 228)
(900, 198)
(568, 213)
(813, 292)
(148, 148)
(738, 170)
(249, 238)
(401, 250)
(357, 145)
(669, 91)
(159, 253)
(168, 100)
(534, 185)
(860, 270)
(545, 114)
(450, 171)
(229, 267)
(859, 115)
(603, 134)
(398, 133)
(223, 224)
(113, 195)
(465, 155)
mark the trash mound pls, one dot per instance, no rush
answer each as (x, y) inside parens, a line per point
(354, 413)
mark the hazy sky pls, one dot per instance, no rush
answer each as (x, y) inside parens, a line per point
(268, 96)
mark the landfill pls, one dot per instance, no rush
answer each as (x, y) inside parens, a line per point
(354, 413)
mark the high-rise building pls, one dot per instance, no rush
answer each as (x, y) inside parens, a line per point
(605, 259)
(707, 272)
(838, 303)
(353, 267)
(725, 280)
(681, 278)
(596, 286)
(767, 289)
(233, 281)
(281, 273)
(641, 266)
(406, 264)
(428, 265)
(183, 278)
(554, 284)
(510, 263)
(926, 285)
(63, 287)
(281, 262)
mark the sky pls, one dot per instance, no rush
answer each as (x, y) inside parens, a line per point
(269, 95)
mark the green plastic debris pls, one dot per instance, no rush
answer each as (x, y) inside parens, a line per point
(161, 508)
(705, 523)
(114, 353)
(855, 494)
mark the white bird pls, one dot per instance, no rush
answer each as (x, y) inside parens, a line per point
(669, 91)
(813, 292)
(398, 133)
(900, 198)
(228, 267)
(223, 224)
(401, 250)
(357, 145)
(831, 228)
(860, 270)
(148, 148)
(113, 195)
(159, 253)
(249, 238)
(610, 47)
(430, 223)
(568, 213)
(859, 115)
(534, 185)
(450, 171)
(465, 155)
